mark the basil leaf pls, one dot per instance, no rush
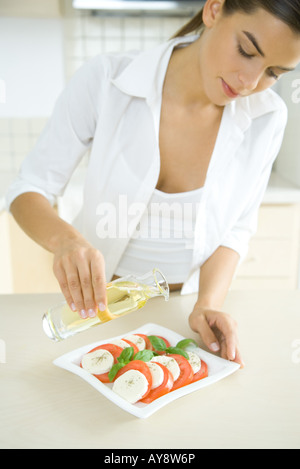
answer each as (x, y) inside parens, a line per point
(126, 355)
(185, 342)
(178, 351)
(144, 355)
(158, 344)
(114, 370)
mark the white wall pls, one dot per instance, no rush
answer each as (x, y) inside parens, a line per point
(32, 65)
(38, 55)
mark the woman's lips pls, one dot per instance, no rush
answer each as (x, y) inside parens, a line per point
(229, 91)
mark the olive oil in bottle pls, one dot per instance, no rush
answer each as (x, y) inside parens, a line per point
(124, 296)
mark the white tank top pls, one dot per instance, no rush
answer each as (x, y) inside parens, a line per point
(164, 237)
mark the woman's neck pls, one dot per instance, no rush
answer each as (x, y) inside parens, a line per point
(183, 81)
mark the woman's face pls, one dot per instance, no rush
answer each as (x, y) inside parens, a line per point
(242, 54)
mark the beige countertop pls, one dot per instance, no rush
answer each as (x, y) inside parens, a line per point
(43, 406)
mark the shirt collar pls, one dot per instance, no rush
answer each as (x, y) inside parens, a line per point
(144, 78)
(244, 110)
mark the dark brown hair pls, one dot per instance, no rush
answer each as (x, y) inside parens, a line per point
(287, 11)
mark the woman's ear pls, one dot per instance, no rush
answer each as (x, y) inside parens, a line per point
(212, 11)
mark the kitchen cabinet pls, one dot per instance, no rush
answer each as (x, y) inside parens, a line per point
(25, 267)
(274, 256)
(6, 283)
(31, 8)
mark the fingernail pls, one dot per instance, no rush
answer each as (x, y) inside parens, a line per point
(73, 307)
(214, 347)
(92, 313)
(102, 307)
(83, 314)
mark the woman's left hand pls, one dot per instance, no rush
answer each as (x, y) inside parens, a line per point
(218, 331)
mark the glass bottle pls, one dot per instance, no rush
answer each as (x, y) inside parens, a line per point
(124, 295)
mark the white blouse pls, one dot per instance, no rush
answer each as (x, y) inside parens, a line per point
(164, 237)
(111, 106)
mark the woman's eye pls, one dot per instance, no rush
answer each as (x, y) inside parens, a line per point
(244, 53)
(272, 74)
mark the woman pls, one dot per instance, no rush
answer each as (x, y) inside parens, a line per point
(193, 118)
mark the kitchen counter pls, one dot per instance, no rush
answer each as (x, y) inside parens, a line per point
(43, 406)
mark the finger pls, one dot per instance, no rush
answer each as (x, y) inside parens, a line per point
(238, 358)
(63, 283)
(85, 277)
(75, 290)
(228, 329)
(99, 282)
(231, 351)
(223, 349)
(230, 346)
(207, 334)
(74, 286)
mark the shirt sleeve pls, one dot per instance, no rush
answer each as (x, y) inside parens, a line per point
(238, 237)
(65, 139)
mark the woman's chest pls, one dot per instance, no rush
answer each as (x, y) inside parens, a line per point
(186, 144)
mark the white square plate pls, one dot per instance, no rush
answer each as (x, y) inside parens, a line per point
(218, 368)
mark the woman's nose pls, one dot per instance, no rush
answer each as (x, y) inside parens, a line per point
(250, 80)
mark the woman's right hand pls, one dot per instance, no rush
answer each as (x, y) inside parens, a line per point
(80, 271)
(78, 266)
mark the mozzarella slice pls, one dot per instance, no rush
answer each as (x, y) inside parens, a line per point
(195, 361)
(121, 343)
(131, 385)
(157, 374)
(137, 340)
(98, 362)
(170, 363)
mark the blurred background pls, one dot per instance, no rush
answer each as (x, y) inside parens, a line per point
(42, 44)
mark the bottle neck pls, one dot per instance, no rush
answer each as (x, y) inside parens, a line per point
(159, 286)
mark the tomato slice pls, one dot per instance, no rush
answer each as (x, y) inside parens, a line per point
(186, 371)
(147, 341)
(163, 389)
(115, 350)
(131, 344)
(202, 373)
(138, 365)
